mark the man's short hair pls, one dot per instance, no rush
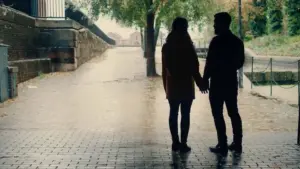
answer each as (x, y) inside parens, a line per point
(224, 18)
(180, 24)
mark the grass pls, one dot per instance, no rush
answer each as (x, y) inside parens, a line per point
(41, 75)
(275, 45)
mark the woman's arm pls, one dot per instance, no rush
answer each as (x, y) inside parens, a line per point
(195, 67)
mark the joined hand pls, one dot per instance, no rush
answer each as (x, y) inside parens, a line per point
(204, 86)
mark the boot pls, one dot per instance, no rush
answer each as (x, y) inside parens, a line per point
(184, 148)
(218, 149)
(176, 146)
(237, 148)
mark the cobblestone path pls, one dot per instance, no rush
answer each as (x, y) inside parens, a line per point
(107, 114)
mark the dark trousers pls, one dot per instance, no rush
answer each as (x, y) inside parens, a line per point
(185, 106)
(217, 99)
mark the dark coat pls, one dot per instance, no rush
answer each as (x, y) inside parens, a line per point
(180, 70)
(225, 56)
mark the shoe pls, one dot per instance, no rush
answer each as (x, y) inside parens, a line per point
(219, 150)
(175, 147)
(237, 148)
(184, 148)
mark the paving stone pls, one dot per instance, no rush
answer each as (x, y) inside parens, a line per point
(107, 114)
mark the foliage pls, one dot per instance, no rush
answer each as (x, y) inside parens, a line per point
(197, 12)
(143, 13)
(275, 16)
(276, 45)
(132, 13)
(258, 18)
(231, 6)
(293, 14)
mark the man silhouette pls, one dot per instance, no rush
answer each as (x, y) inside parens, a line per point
(225, 57)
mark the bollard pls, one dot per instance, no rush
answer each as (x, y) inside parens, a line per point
(271, 78)
(241, 73)
(3, 72)
(252, 72)
(13, 82)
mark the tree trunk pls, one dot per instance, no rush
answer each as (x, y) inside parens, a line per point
(142, 39)
(150, 55)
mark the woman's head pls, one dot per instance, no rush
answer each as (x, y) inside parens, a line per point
(180, 24)
(179, 38)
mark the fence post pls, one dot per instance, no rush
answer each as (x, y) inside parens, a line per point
(271, 90)
(252, 62)
(298, 139)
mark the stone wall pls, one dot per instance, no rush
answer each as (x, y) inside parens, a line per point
(286, 77)
(75, 14)
(31, 68)
(19, 32)
(87, 40)
(41, 46)
(69, 47)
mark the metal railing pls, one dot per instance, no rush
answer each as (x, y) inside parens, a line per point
(294, 66)
(286, 67)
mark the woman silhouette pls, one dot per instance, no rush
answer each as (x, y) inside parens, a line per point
(180, 70)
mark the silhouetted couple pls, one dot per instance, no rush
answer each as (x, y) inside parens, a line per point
(181, 71)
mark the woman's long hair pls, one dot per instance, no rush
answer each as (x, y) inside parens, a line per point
(179, 47)
(179, 37)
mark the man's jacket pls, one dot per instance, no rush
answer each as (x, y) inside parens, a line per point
(225, 56)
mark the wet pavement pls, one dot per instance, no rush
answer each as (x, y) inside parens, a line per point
(107, 114)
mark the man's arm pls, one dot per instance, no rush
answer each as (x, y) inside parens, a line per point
(209, 60)
(241, 56)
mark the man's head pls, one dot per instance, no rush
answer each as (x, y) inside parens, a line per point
(222, 22)
(180, 24)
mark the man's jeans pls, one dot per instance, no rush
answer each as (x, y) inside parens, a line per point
(185, 106)
(217, 98)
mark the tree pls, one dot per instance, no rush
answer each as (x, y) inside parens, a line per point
(149, 15)
(275, 16)
(258, 18)
(293, 14)
(231, 6)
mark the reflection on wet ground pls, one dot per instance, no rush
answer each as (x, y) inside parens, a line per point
(107, 114)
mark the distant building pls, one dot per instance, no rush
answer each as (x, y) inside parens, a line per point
(125, 42)
(118, 38)
(135, 39)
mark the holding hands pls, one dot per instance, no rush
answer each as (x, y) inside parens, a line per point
(204, 86)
